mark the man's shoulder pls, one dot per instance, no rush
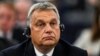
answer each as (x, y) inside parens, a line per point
(62, 49)
(71, 50)
(78, 52)
(14, 50)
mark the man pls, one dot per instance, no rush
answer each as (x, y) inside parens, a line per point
(7, 21)
(9, 35)
(22, 7)
(44, 38)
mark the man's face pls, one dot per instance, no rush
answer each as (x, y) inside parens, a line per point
(22, 9)
(45, 29)
(7, 18)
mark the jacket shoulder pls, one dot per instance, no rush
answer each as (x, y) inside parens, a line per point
(14, 50)
(72, 50)
(78, 52)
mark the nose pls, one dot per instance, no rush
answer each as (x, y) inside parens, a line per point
(48, 29)
(5, 20)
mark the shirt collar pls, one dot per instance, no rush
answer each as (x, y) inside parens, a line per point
(38, 53)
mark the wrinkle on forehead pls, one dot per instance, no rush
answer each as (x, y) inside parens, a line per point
(44, 14)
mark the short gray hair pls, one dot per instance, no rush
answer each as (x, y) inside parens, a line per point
(41, 5)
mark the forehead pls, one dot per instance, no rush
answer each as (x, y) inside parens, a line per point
(44, 14)
(22, 6)
(6, 8)
(6, 11)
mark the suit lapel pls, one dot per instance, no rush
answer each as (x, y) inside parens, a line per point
(57, 51)
(61, 49)
(30, 50)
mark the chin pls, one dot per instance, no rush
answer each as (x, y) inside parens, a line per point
(49, 43)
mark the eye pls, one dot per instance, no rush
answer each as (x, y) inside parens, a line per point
(40, 24)
(53, 23)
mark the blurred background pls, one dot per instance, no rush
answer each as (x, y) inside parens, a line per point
(78, 16)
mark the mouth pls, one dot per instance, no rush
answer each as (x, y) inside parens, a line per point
(48, 38)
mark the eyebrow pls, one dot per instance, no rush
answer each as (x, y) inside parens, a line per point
(39, 20)
(54, 19)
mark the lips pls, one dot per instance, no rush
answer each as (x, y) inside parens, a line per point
(48, 38)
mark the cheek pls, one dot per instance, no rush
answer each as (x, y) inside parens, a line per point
(57, 33)
(36, 35)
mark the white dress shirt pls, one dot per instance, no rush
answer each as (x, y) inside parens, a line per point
(38, 53)
(8, 35)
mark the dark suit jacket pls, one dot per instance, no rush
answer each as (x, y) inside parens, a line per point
(4, 43)
(17, 37)
(26, 49)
